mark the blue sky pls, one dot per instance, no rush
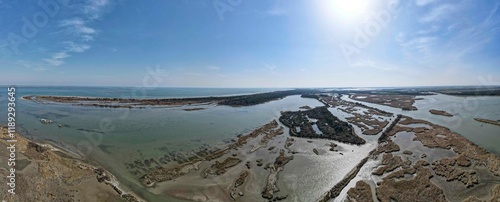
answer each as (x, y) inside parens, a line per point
(243, 43)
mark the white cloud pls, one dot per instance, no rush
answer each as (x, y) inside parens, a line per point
(78, 32)
(95, 8)
(57, 59)
(438, 12)
(77, 27)
(74, 47)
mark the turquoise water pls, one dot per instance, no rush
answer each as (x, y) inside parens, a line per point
(114, 137)
(137, 92)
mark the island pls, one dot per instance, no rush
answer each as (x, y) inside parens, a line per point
(404, 102)
(488, 121)
(319, 123)
(234, 101)
(440, 112)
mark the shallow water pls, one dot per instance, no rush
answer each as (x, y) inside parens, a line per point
(464, 110)
(308, 183)
(406, 142)
(112, 137)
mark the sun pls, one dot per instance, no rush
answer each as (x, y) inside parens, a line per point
(348, 9)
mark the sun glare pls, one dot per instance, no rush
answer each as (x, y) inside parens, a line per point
(348, 9)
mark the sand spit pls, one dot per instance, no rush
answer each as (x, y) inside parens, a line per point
(170, 173)
(488, 121)
(404, 102)
(265, 140)
(235, 192)
(50, 174)
(194, 109)
(440, 112)
(233, 173)
(234, 101)
(405, 176)
(219, 168)
(274, 170)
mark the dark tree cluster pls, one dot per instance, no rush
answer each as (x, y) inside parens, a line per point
(330, 126)
(254, 99)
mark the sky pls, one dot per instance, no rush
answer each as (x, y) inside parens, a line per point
(250, 43)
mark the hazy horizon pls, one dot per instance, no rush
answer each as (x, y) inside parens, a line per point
(209, 87)
(250, 44)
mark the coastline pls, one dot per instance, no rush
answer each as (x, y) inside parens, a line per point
(108, 102)
(54, 159)
(488, 121)
(440, 112)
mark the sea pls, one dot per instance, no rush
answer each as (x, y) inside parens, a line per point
(114, 137)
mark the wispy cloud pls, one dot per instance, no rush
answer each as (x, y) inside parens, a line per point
(33, 66)
(95, 8)
(75, 47)
(439, 12)
(78, 32)
(77, 27)
(373, 64)
(423, 2)
(430, 30)
(57, 58)
(213, 68)
(417, 47)
(435, 47)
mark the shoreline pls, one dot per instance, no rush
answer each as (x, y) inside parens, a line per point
(440, 112)
(233, 101)
(102, 175)
(488, 121)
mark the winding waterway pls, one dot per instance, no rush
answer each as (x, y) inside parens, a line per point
(464, 110)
